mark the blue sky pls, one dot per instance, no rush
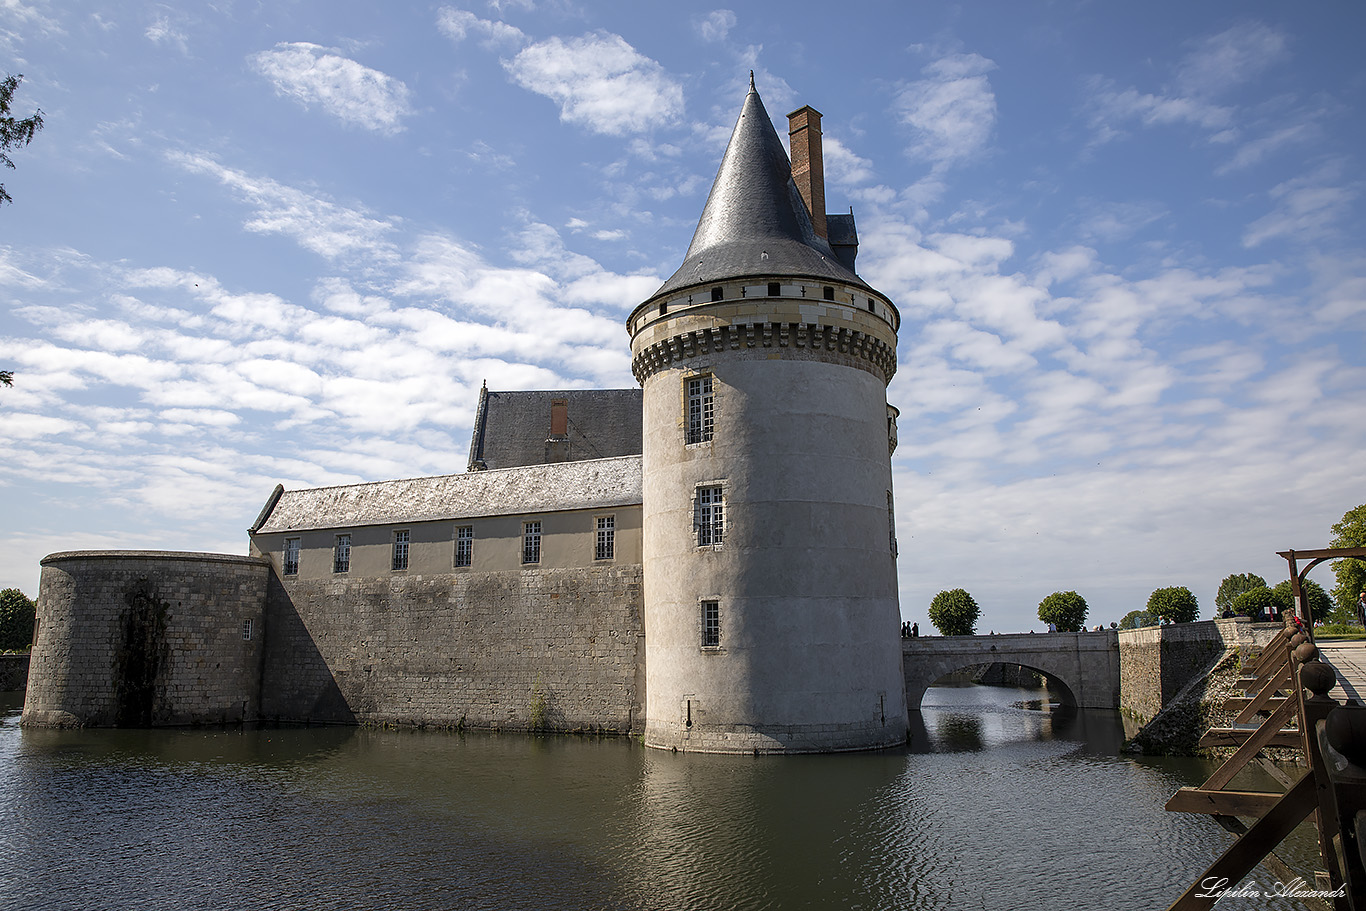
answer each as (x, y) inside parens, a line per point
(286, 242)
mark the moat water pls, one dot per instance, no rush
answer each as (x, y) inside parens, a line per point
(1000, 803)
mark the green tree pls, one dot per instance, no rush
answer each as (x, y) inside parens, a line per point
(1254, 603)
(1065, 610)
(954, 613)
(1231, 588)
(1351, 573)
(1319, 602)
(16, 620)
(1175, 605)
(14, 132)
(1137, 619)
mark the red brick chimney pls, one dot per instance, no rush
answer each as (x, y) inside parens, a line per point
(557, 443)
(808, 167)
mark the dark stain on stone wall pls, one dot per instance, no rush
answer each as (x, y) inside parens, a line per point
(141, 657)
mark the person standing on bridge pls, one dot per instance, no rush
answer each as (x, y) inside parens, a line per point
(1361, 608)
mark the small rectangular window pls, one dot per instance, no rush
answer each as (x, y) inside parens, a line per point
(872, 306)
(775, 289)
(341, 554)
(891, 524)
(710, 517)
(464, 545)
(711, 624)
(400, 560)
(606, 548)
(718, 293)
(531, 542)
(247, 629)
(701, 410)
(829, 293)
(290, 564)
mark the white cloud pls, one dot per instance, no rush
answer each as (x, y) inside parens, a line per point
(1212, 68)
(1255, 151)
(162, 32)
(1116, 221)
(600, 82)
(349, 91)
(952, 112)
(324, 227)
(716, 25)
(1230, 58)
(1306, 208)
(842, 165)
(1111, 107)
(19, 21)
(457, 24)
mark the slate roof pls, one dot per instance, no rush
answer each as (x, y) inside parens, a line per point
(595, 484)
(510, 428)
(755, 222)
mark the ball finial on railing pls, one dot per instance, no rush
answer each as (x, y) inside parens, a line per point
(1318, 678)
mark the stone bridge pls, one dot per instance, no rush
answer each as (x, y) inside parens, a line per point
(1084, 666)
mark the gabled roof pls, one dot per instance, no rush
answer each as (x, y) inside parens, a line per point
(755, 222)
(511, 428)
(596, 484)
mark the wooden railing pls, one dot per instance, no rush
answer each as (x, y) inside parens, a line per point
(1332, 789)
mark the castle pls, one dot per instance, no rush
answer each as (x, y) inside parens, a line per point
(708, 561)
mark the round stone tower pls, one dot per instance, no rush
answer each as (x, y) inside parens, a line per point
(771, 616)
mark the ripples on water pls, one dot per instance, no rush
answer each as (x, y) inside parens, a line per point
(995, 805)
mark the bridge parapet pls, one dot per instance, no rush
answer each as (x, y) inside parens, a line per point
(1085, 664)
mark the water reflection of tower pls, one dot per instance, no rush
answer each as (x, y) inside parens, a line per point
(769, 554)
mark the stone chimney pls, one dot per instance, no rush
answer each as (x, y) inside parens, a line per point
(557, 442)
(808, 167)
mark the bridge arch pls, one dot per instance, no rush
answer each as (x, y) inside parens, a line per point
(1055, 683)
(1085, 664)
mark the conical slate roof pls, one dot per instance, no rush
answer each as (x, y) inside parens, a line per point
(755, 222)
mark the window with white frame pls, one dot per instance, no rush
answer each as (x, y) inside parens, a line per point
(711, 624)
(400, 555)
(531, 542)
(290, 563)
(464, 545)
(247, 628)
(710, 516)
(341, 554)
(606, 548)
(701, 409)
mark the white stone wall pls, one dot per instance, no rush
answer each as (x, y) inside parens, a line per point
(809, 658)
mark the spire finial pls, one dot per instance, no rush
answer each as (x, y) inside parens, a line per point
(751, 80)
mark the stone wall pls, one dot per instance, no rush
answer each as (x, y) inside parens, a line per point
(1157, 662)
(552, 649)
(146, 638)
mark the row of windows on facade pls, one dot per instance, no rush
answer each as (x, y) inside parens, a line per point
(604, 547)
(709, 514)
(775, 289)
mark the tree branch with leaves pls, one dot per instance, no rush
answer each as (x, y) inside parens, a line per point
(14, 133)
